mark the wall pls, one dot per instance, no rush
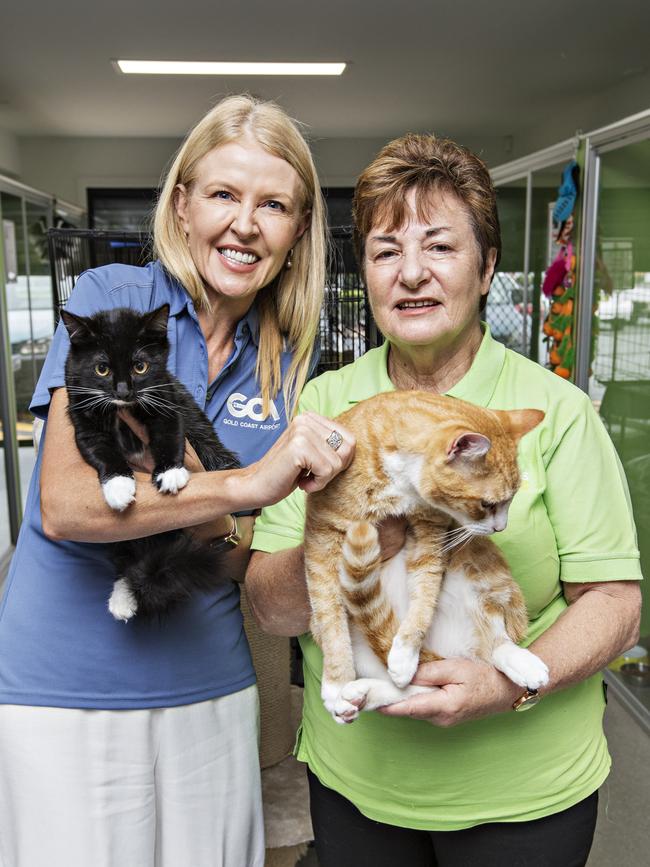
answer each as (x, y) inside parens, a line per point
(630, 96)
(66, 166)
(10, 163)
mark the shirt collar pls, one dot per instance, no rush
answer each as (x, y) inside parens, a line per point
(477, 386)
(251, 323)
(170, 291)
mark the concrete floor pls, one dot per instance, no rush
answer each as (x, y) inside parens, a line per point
(623, 831)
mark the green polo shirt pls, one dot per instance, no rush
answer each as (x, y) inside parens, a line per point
(570, 521)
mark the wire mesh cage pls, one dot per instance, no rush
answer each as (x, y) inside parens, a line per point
(73, 251)
(347, 329)
(346, 326)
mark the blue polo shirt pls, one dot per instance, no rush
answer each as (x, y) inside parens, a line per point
(59, 646)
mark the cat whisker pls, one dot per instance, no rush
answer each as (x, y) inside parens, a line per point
(162, 386)
(83, 389)
(92, 402)
(160, 401)
(153, 405)
(460, 540)
(458, 531)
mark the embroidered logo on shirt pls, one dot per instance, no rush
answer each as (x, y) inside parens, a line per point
(241, 407)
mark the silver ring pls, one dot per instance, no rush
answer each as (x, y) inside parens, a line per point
(334, 440)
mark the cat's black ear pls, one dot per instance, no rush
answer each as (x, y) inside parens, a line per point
(469, 446)
(156, 320)
(79, 327)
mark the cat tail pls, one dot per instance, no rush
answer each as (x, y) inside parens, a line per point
(167, 568)
(361, 583)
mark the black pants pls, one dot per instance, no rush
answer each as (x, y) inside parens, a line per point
(346, 838)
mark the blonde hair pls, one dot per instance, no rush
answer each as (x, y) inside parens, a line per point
(289, 307)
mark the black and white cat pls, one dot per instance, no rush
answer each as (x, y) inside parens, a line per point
(118, 359)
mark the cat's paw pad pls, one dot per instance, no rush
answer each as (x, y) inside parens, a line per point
(521, 666)
(122, 603)
(402, 662)
(119, 492)
(173, 480)
(329, 692)
(350, 702)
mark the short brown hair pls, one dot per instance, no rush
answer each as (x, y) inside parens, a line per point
(426, 163)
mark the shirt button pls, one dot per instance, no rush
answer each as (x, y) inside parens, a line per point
(199, 391)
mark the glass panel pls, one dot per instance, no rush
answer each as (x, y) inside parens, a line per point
(130, 210)
(4, 503)
(620, 378)
(504, 312)
(29, 305)
(42, 326)
(543, 251)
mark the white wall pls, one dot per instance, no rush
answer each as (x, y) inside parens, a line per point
(628, 97)
(9, 154)
(64, 167)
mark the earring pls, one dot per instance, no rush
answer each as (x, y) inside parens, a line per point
(289, 263)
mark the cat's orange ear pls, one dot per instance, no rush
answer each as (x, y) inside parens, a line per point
(519, 421)
(469, 446)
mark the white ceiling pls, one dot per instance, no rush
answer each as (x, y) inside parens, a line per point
(498, 66)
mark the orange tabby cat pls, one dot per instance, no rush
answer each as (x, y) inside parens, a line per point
(451, 469)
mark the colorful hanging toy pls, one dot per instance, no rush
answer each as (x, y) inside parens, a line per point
(560, 279)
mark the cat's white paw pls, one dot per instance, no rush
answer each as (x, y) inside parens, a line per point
(402, 662)
(329, 692)
(521, 666)
(173, 480)
(119, 492)
(122, 603)
(350, 702)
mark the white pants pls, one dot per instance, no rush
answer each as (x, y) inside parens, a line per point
(162, 787)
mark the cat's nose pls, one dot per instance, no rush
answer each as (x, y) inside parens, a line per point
(122, 390)
(500, 519)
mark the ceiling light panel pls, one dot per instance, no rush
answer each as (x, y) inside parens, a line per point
(172, 67)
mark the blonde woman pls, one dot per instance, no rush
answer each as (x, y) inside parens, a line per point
(137, 744)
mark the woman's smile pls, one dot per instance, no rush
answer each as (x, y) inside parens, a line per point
(235, 256)
(417, 308)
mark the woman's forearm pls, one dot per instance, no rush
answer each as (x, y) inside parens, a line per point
(277, 592)
(73, 506)
(602, 621)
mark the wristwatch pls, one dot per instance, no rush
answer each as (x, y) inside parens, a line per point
(230, 540)
(529, 699)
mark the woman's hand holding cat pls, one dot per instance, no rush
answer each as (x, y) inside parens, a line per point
(211, 529)
(392, 535)
(467, 690)
(146, 463)
(301, 457)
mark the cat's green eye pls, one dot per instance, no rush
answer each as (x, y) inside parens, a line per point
(140, 367)
(102, 369)
(488, 506)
